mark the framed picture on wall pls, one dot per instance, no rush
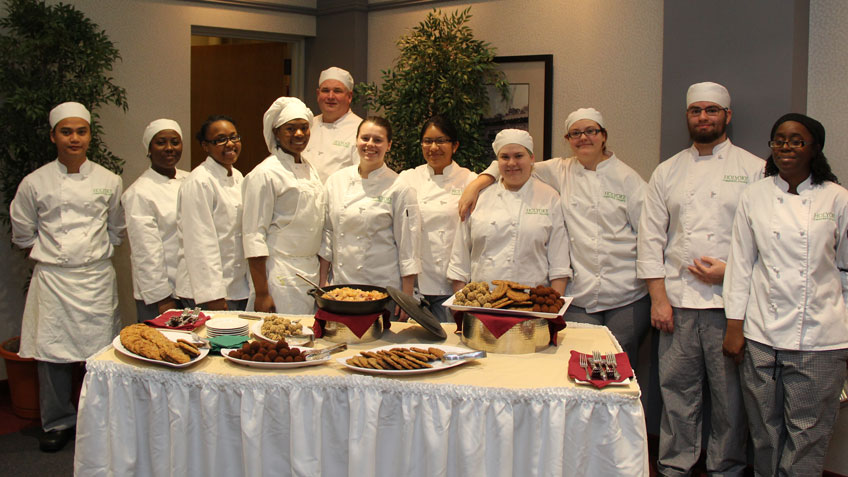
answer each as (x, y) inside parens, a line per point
(529, 107)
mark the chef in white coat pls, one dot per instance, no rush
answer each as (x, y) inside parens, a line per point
(372, 232)
(209, 218)
(438, 184)
(68, 214)
(150, 205)
(517, 232)
(601, 200)
(283, 213)
(332, 146)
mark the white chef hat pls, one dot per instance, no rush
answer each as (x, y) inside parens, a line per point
(584, 113)
(157, 126)
(283, 110)
(337, 74)
(68, 110)
(512, 136)
(708, 91)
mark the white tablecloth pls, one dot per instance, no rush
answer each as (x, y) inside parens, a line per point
(221, 419)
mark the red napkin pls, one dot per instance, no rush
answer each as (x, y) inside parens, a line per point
(500, 324)
(359, 324)
(576, 372)
(159, 321)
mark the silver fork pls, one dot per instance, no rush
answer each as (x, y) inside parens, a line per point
(612, 365)
(584, 363)
(598, 362)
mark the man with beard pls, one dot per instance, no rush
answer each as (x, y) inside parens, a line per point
(684, 240)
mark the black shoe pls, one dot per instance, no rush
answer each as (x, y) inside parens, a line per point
(54, 441)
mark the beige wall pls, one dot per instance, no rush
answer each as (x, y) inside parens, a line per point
(607, 55)
(154, 38)
(827, 102)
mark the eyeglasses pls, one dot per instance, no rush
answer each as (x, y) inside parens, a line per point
(589, 132)
(220, 141)
(710, 110)
(439, 141)
(793, 143)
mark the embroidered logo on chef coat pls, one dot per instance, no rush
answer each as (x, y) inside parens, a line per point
(456, 191)
(732, 178)
(341, 143)
(101, 191)
(614, 196)
(824, 216)
(380, 198)
(537, 211)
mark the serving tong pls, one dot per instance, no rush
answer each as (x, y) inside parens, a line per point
(316, 354)
(454, 357)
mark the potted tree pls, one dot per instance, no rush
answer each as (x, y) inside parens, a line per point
(48, 54)
(442, 69)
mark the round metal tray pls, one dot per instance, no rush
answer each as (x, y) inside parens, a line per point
(525, 337)
(339, 333)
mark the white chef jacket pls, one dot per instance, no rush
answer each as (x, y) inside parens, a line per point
(150, 204)
(518, 236)
(783, 273)
(209, 211)
(372, 232)
(72, 222)
(601, 210)
(332, 146)
(283, 220)
(438, 196)
(688, 213)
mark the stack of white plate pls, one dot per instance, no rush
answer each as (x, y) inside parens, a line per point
(226, 327)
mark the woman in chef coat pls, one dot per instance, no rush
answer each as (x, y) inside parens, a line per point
(209, 223)
(150, 205)
(372, 231)
(785, 292)
(601, 202)
(438, 185)
(517, 231)
(283, 213)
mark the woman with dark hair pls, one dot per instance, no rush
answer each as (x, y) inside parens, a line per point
(785, 294)
(372, 231)
(209, 211)
(438, 184)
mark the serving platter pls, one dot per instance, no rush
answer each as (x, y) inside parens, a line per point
(171, 335)
(308, 334)
(449, 303)
(264, 365)
(437, 365)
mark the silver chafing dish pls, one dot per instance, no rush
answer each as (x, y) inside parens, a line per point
(527, 336)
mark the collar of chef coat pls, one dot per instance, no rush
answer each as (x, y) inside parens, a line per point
(337, 122)
(160, 179)
(601, 165)
(448, 170)
(804, 186)
(218, 170)
(521, 192)
(85, 167)
(720, 150)
(375, 174)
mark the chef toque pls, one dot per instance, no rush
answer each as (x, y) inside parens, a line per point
(708, 91)
(512, 136)
(283, 110)
(157, 126)
(584, 113)
(68, 110)
(337, 74)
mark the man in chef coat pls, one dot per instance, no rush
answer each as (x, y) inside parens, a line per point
(683, 243)
(332, 145)
(68, 215)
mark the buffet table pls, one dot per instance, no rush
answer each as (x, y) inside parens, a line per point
(502, 416)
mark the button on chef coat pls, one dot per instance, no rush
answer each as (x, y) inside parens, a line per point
(209, 222)
(518, 236)
(150, 204)
(601, 210)
(372, 232)
(688, 213)
(783, 274)
(438, 196)
(332, 146)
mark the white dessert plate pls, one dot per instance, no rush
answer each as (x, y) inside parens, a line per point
(505, 311)
(437, 365)
(257, 364)
(171, 335)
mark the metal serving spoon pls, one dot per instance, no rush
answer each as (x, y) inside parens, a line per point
(311, 283)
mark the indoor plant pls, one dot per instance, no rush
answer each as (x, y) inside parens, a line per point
(441, 69)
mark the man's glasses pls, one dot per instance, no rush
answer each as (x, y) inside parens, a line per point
(710, 110)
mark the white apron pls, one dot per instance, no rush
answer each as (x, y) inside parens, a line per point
(70, 313)
(294, 249)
